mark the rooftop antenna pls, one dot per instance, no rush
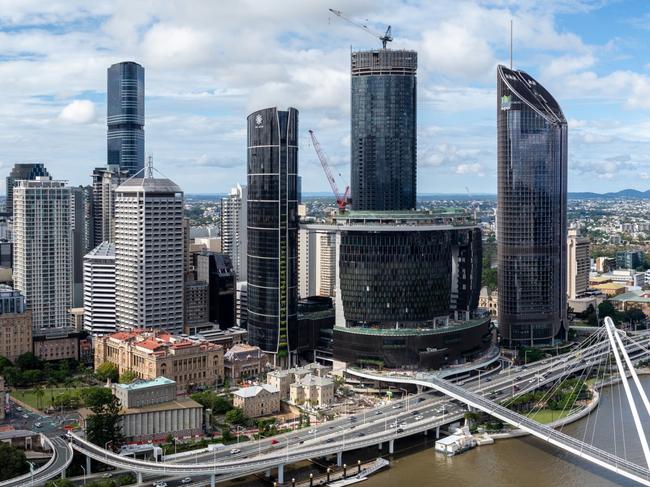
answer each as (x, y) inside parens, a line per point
(510, 43)
(150, 167)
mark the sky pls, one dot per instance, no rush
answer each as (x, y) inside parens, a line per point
(208, 64)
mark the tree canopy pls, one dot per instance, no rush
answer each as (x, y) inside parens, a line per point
(106, 371)
(105, 424)
(12, 462)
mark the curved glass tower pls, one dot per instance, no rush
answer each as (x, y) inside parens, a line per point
(125, 117)
(272, 228)
(531, 214)
(383, 149)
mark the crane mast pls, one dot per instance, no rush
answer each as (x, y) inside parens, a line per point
(386, 38)
(341, 201)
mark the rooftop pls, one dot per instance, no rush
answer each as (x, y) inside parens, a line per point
(453, 326)
(143, 384)
(149, 185)
(253, 391)
(105, 250)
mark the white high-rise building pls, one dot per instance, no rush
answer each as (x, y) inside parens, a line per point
(99, 290)
(234, 240)
(149, 250)
(105, 181)
(316, 262)
(578, 264)
(42, 250)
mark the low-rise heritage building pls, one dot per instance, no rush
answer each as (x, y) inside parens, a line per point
(243, 361)
(151, 411)
(15, 324)
(282, 379)
(312, 389)
(256, 401)
(153, 353)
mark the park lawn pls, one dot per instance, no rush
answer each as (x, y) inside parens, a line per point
(545, 416)
(28, 396)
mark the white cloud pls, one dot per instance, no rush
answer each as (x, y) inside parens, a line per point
(474, 168)
(79, 111)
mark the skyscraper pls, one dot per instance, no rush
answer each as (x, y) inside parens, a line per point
(532, 198)
(149, 251)
(99, 290)
(42, 252)
(272, 228)
(18, 172)
(105, 181)
(233, 229)
(125, 117)
(383, 149)
(217, 271)
(578, 264)
(80, 200)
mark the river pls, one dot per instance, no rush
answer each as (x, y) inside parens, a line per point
(527, 461)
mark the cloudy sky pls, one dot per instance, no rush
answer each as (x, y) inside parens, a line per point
(211, 62)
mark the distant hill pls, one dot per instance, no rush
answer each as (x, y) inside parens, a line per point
(624, 193)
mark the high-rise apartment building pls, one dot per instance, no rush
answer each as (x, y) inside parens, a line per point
(99, 290)
(42, 250)
(316, 262)
(125, 116)
(105, 182)
(272, 229)
(233, 229)
(18, 172)
(578, 264)
(532, 202)
(149, 252)
(383, 149)
(80, 208)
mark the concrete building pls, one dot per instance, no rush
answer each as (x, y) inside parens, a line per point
(99, 290)
(81, 240)
(241, 304)
(316, 262)
(105, 181)
(149, 252)
(57, 344)
(211, 244)
(243, 361)
(282, 379)
(234, 242)
(632, 300)
(155, 353)
(578, 264)
(42, 251)
(605, 264)
(630, 259)
(257, 401)
(145, 392)
(196, 303)
(15, 324)
(312, 389)
(210, 333)
(489, 300)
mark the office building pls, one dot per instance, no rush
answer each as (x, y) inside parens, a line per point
(272, 229)
(233, 229)
(196, 303)
(22, 171)
(241, 304)
(630, 259)
(80, 208)
(42, 250)
(15, 324)
(217, 271)
(383, 144)
(532, 203)
(99, 290)
(154, 353)
(125, 116)
(578, 264)
(149, 253)
(316, 262)
(105, 182)
(57, 344)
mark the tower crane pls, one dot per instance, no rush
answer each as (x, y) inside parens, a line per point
(341, 201)
(386, 38)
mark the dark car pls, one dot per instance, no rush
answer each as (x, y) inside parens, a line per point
(400, 430)
(329, 440)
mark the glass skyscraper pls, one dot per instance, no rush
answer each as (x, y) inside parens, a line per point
(531, 214)
(125, 118)
(272, 228)
(22, 171)
(383, 150)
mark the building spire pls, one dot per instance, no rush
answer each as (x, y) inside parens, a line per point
(510, 43)
(149, 174)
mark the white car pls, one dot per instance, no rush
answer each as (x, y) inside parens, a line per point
(160, 483)
(234, 451)
(312, 431)
(107, 475)
(419, 417)
(37, 425)
(186, 480)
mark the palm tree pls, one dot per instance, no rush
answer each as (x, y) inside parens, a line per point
(39, 392)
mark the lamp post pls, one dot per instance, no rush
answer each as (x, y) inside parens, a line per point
(84, 469)
(358, 467)
(31, 471)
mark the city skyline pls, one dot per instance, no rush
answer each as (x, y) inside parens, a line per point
(196, 105)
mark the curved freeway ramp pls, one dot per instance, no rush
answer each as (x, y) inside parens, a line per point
(61, 457)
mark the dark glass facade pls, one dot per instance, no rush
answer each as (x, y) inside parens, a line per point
(217, 270)
(383, 133)
(272, 228)
(125, 117)
(18, 172)
(531, 211)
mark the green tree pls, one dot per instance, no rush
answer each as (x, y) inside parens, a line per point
(212, 400)
(634, 315)
(12, 462)
(128, 376)
(606, 308)
(106, 371)
(39, 392)
(235, 416)
(61, 483)
(105, 424)
(28, 361)
(4, 363)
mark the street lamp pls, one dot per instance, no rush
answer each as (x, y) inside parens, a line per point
(84, 469)
(31, 471)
